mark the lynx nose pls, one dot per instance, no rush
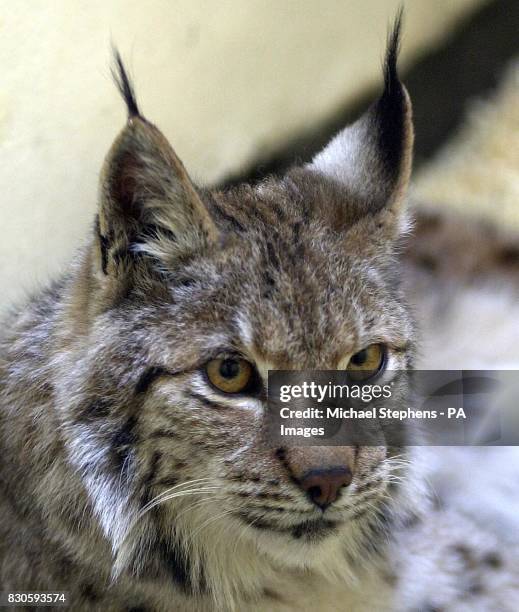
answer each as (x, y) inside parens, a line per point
(323, 485)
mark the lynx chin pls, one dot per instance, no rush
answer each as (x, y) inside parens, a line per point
(134, 475)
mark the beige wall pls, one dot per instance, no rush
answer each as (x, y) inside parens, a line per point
(225, 80)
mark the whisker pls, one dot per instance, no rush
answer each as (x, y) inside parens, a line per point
(246, 526)
(197, 504)
(208, 522)
(196, 482)
(182, 484)
(156, 501)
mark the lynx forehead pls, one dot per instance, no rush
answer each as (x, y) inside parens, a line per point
(144, 371)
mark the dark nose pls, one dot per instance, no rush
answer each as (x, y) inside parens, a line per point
(323, 486)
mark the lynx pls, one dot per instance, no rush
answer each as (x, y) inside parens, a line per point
(132, 473)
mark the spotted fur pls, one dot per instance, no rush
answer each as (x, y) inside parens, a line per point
(129, 482)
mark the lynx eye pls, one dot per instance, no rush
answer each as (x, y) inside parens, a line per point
(230, 374)
(367, 363)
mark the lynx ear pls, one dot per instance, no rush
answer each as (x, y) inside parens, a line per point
(372, 157)
(148, 204)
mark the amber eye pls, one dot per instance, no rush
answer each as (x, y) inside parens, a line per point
(367, 363)
(230, 374)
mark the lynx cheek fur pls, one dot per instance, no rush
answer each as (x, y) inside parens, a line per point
(126, 479)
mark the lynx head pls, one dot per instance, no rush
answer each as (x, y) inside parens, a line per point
(188, 297)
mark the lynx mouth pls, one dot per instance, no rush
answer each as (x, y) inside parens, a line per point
(310, 530)
(314, 530)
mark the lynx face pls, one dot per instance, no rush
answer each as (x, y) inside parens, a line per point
(185, 300)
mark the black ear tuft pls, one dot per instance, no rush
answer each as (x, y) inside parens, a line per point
(392, 51)
(124, 84)
(392, 108)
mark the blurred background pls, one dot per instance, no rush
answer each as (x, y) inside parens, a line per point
(242, 88)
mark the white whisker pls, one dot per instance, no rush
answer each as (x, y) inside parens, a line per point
(208, 522)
